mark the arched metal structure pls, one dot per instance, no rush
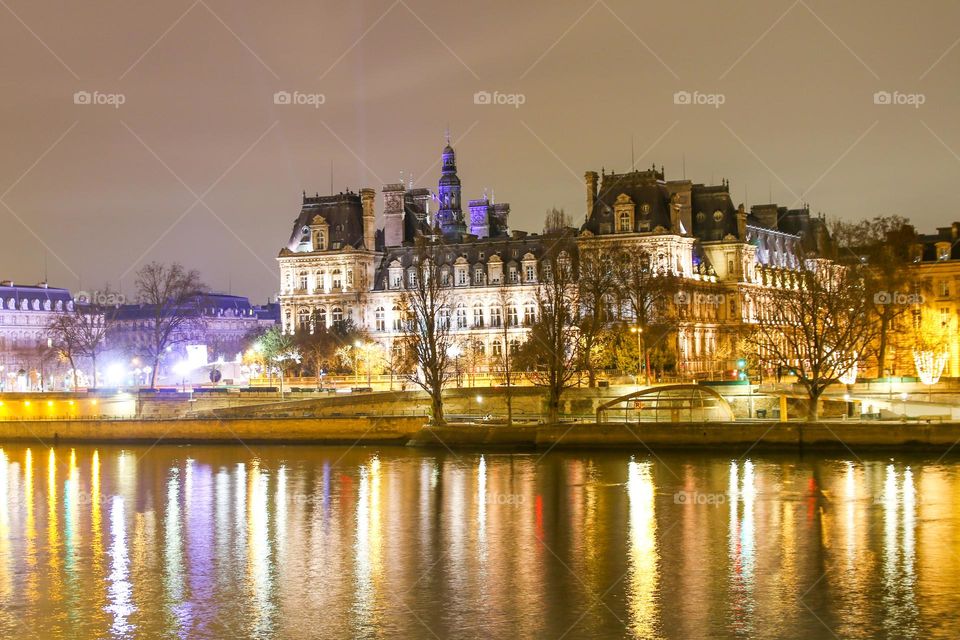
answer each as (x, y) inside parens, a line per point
(679, 402)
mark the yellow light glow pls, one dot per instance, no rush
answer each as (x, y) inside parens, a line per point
(26, 403)
(49, 403)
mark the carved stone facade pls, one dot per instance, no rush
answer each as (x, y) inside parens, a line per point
(690, 230)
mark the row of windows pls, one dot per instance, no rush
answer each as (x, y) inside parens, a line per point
(461, 279)
(34, 305)
(461, 318)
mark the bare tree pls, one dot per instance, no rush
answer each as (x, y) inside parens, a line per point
(883, 244)
(94, 320)
(425, 303)
(646, 289)
(817, 322)
(64, 338)
(174, 297)
(550, 354)
(556, 221)
(595, 286)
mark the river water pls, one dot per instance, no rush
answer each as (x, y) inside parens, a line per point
(338, 542)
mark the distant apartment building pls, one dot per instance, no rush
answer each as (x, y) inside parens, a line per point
(26, 360)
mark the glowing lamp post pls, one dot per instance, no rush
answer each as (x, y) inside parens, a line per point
(642, 362)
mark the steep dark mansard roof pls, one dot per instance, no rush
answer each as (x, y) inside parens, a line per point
(30, 293)
(707, 200)
(448, 253)
(343, 212)
(212, 304)
(416, 222)
(929, 242)
(643, 187)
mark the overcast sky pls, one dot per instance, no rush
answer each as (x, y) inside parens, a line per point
(200, 165)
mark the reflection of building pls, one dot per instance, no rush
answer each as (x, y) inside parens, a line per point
(219, 331)
(338, 266)
(25, 314)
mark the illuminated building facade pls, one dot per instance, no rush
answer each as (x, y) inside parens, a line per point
(338, 266)
(25, 314)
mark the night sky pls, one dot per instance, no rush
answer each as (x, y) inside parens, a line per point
(198, 164)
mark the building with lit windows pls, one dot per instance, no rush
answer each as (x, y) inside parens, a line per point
(337, 265)
(25, 314)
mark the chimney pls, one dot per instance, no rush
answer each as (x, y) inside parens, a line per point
(393, 213)
(681, 206)
(590, 178)
(741, 223)
(369, 218)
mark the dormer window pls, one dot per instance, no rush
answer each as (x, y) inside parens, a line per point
(943, 251)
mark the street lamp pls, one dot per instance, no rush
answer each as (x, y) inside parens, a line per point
(641, 355)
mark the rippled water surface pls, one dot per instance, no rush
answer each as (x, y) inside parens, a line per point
(331, 542)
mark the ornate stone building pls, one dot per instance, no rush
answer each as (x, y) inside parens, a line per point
(338, 266)
(25, 314)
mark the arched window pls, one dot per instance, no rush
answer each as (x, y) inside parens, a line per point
(512, 318)
(478, 316)
(514, 345)
(336, 315)
(322, 317)
(445, 318)
(381, 319)
(497, 347)
(624, 222)
(303, 320)
(461, 317)
(337, 278)
(496, 316)
(319, 283)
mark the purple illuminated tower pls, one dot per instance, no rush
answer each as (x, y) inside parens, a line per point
(450, 215)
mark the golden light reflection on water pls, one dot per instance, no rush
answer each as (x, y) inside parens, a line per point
(303, 542)
(643, 550)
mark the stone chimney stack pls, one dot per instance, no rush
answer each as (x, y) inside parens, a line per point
(591, 178)
(367, 197)
(393, 197)
(741, 223)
